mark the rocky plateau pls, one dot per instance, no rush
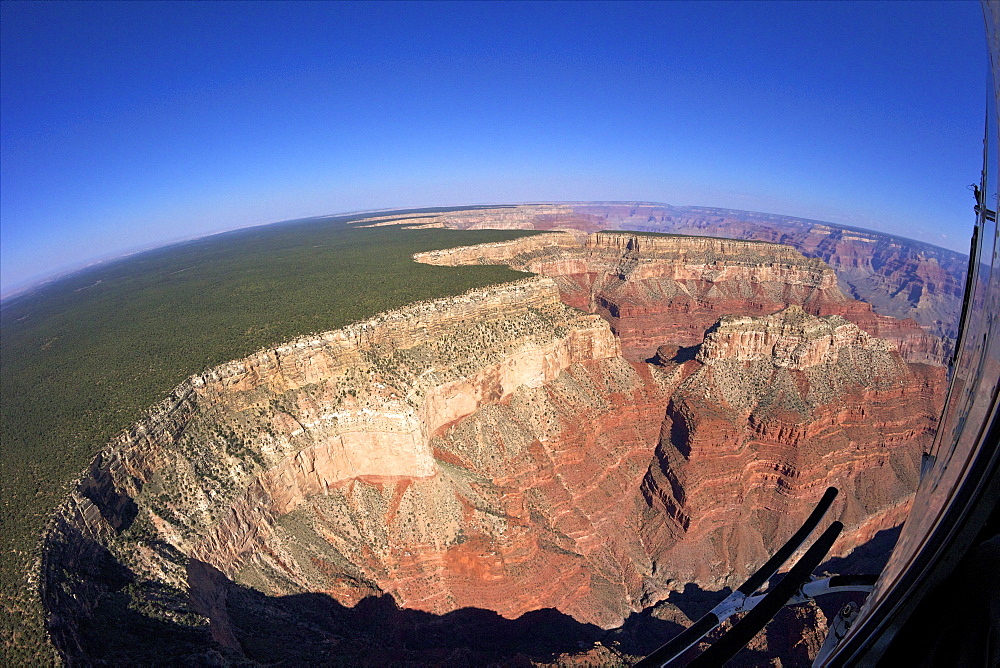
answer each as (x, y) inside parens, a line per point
(516, 475)
(672, 288)
(899, 277)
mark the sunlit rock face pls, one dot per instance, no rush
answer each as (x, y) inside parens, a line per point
(654, 289)
(791, 339)
(647, 414)
(773, 408)
(899, 277)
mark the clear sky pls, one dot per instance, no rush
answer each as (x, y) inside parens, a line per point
(128, 125)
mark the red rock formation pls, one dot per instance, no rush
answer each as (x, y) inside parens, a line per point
(772, 410)
(657, 289)
(497, 451)
(901, 278)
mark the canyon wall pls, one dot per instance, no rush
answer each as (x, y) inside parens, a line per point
(650, 413)
(770, 410)
(671, 288)
(210, 470)
(899, 277)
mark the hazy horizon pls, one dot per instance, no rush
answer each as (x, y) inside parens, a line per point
(129, 126)
(31, 284)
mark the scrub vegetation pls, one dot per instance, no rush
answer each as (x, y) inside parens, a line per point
(83, 357)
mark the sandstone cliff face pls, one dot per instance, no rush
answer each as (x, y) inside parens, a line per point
(503, 451)
(212, 468)
(768, 406)
(901, 278)
(790, 339)
(519, 516)
(672, 288)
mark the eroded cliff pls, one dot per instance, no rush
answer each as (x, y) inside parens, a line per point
(768, 407)
(901, 278)
(498, 451)
(671, 287)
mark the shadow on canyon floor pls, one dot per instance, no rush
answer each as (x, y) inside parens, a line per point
(646, 631)
(313, 628)
(99, 613)
(643, 632)
(681, 355)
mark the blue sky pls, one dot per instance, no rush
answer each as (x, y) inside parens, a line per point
(128, 125)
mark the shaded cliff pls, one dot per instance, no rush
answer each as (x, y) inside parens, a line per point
(493, 453)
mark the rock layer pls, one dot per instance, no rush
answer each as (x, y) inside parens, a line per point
(901, 278)
(497, 450)
(671, 288)
(789, 339)
(211, 470)
(768, 407)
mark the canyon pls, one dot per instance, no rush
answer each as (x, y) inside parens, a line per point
(548, 459)
(899, 277)
(672, 288)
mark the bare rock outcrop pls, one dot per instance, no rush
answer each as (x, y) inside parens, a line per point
(210, 471)
(901, 278)
(671, 287)
(508, 450)
(772, 408)
(789, 339)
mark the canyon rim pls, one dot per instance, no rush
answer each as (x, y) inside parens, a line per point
(642, 415)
